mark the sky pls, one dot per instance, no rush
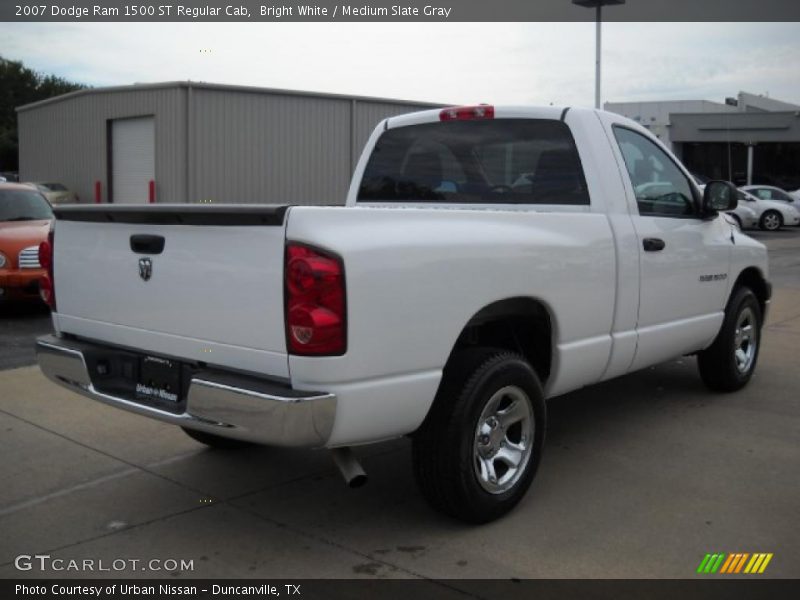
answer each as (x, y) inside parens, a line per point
(458, 63)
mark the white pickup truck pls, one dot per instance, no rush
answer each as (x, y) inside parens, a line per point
(487, 259)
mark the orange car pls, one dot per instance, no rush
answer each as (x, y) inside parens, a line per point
(25, 218)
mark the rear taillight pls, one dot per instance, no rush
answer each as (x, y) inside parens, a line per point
(47, 288)
(316, 319)
(467, 113)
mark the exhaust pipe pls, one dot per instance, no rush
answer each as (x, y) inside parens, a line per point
(354, 475)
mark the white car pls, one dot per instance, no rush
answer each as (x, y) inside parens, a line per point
(443, 302)
(771, 192)
(744, 216)
(772, 214)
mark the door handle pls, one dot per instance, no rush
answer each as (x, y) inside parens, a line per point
(653, 244)
(147, 244)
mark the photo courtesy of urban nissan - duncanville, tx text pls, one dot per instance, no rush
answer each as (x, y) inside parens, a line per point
(487, 259)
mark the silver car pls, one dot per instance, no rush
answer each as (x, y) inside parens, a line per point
(770, 192)
(744, 215)
(772, 214)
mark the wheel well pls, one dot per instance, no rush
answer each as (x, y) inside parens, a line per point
(518, 324)
(753, 279)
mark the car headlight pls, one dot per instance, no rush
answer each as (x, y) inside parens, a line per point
(2, 260)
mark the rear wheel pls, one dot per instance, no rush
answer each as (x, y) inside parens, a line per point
(215, 441)
(728, 364)
(478, 450)
(771, 220)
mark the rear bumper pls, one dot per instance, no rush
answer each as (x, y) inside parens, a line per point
(222, 403)
(20, 284)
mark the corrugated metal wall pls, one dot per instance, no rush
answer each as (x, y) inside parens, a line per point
(65, 141)
(240, 144)
(275, 148)
(252, 147)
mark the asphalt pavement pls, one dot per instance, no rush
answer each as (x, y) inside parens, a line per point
(642, 476)
(20, 324)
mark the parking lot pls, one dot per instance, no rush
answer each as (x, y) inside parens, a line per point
(642, 476)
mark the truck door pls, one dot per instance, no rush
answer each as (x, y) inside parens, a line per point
(684, 260)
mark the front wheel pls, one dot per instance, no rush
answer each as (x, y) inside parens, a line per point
(771, 220)
(728, 364)
(478, 450)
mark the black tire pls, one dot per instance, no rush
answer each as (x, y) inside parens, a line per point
(720, 367)
(771, 220)
(216, 441)
(450, 453)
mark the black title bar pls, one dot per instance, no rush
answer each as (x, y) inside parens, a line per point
(122, 11)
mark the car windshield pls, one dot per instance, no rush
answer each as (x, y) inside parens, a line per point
(20, 205)
(55, 187)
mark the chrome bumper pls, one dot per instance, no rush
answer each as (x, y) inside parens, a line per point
(222, 403)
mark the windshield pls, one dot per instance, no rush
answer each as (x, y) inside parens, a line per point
(55, 187)
(519, 161)
(19, 205)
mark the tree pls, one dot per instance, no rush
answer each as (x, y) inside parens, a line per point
(20, 85)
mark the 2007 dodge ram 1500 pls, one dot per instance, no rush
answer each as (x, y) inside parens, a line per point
(487, 259)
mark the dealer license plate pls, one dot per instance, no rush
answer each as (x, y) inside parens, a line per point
(159, 379)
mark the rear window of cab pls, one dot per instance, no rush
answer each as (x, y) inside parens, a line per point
(493, 161)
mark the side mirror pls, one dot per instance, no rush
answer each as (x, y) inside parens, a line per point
(719, 196)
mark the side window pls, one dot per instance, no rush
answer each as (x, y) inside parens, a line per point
(770, 194)
(661, 188)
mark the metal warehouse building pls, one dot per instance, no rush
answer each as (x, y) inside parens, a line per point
(199, 142)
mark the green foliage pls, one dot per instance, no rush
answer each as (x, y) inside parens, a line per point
(20, 85)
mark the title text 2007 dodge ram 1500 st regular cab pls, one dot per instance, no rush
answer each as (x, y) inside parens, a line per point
(487, 259)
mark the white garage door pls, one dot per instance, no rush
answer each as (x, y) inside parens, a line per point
(133, 155)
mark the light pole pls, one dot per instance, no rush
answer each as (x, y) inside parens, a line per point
(598, 6)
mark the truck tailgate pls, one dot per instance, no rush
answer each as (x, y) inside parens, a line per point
(214, 293)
